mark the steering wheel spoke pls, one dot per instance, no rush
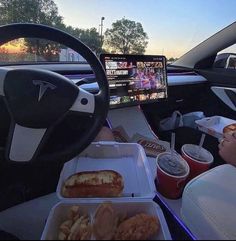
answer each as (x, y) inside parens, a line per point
(38, 101)
(84, 103)
(24, 143)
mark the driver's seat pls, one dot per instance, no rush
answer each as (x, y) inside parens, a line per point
(209, 204)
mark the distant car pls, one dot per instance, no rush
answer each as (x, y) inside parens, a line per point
(225, 60)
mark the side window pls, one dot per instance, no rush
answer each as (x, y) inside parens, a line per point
(226, 58)
(232, 63)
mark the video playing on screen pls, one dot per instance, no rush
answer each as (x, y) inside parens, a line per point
(135, 79)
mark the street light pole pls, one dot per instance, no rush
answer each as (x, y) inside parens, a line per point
(102, 19)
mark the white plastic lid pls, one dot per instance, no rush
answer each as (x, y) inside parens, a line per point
(197, 153)
(171, 164)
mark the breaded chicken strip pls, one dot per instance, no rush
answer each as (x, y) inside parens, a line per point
(105, 222)
(139, 227)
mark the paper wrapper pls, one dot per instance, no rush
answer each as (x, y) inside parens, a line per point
(152, 147)
(120, 135)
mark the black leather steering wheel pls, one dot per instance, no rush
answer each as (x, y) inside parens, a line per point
(39, 100)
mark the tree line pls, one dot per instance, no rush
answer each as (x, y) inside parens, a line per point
(125, 36)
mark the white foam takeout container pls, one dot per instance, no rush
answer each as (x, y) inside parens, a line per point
(127, 159)
(59, 214)
(214, 125)
(131, 162)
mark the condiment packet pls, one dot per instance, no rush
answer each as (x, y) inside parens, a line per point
(152, 147)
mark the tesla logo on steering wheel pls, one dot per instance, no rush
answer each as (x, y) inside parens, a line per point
(44, 86)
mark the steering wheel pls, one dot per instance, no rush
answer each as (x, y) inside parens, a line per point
(39, 100)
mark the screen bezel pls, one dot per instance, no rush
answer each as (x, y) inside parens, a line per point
(142, 58)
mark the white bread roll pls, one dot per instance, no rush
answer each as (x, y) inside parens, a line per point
(93, 184)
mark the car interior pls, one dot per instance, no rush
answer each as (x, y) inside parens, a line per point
(52, 112)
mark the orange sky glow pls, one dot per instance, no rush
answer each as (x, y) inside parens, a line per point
(13, 48)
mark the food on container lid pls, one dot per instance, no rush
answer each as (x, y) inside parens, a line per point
(230, 129)
(105, 183)
(139, 227)
(105, 222)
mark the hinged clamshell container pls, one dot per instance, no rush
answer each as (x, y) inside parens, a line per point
(127, 159)
(214, 125)
(139, 189)
(130, 208)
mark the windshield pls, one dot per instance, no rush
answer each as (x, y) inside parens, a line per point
(152, 27)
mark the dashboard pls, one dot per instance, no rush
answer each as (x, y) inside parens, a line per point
(135, 79)
(82, 75)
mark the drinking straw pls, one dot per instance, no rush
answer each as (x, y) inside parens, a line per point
(201, 144)
(172, 143)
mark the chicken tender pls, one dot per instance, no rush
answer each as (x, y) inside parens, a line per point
(106, 222)
(139, 227)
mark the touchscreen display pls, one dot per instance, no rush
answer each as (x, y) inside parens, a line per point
(135, 79)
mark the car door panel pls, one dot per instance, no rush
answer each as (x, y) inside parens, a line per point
(227, 95)
(223, 87)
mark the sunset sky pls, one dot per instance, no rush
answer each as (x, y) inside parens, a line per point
(13, 47)
(173, 26)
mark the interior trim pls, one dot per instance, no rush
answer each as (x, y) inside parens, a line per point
(25, 142)
(185, 80)
(220, 92)
(172, 81)
(3, 73)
